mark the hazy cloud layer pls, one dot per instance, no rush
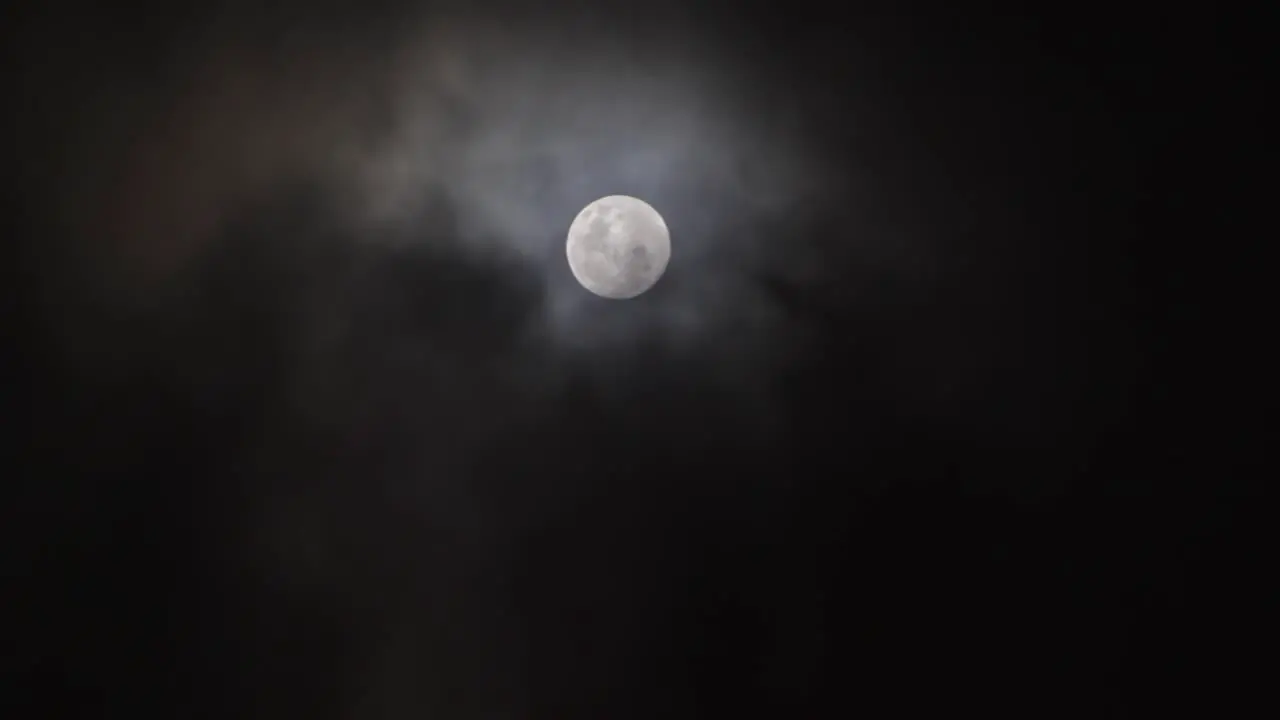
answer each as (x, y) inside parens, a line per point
(318, 410)
(500, 130)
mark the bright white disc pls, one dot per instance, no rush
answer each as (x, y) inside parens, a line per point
(618, 247)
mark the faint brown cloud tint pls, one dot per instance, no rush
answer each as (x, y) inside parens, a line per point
(244, 122)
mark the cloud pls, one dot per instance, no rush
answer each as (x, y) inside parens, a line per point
(518, 130)
(447, 127)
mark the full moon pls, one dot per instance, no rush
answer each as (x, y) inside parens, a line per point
(618, 247)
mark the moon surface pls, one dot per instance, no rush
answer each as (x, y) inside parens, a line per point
(618, 247)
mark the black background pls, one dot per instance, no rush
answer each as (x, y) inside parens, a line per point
(974, 499)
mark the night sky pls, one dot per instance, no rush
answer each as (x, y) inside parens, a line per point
(314, 422)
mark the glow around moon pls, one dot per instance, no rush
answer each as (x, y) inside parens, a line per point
(618, 247)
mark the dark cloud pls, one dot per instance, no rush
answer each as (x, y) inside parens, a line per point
(316, 421)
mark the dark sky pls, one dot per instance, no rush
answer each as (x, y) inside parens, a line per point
(314, 422)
